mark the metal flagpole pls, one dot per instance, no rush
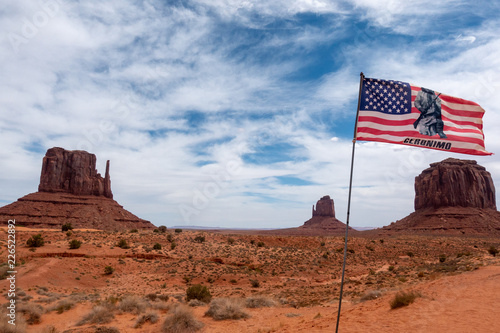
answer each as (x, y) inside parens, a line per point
(362, 76)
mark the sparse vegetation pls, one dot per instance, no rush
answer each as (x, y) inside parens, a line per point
(493, 251)
(230, 240)
(123, 244)
(98, 315)
(199, 239)
(181, 320)
(133, 231)
(255, 283)
(157, 246)
(32, 312)
(75, 244)
(35, 241)
(133, 304)
(151, 317)
(199, 292)
(442, 257)
(404, 299)
(66, 227)
(259, 302)
(162, 229)
(226, 308)
(178, 231)
(108, 270)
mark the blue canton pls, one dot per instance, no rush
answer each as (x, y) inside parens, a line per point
(392, 97)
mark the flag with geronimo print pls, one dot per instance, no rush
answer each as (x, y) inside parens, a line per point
(398, 112)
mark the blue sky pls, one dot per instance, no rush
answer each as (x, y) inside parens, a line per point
(235, 113)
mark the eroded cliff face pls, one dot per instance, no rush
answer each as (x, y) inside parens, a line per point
(454, 183)
(71, 191)
(73, 172)
(324, 207)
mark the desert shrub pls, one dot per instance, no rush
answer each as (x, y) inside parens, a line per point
(63, 305)
(133, 304)
(198, 292)
(32, 312)
(66, 227)
(157, 246)
(178, 231)
(403, 299)
(252, 241)
(391, 268)
(156, 230)
(170, 238)
(259, 302)
(442, 258)
(371, 295)
(98, 315)
(3, 272)
(5, 327)
(108, 270)
(226, 308)
(410, 254)
(322, 244)
(260, 244)
(230, 240)
(493, 251)
(133, 231)
(104, 329)
(199, 239)
(122, 243)
(68, 234)
(180, 321)
(163, 298)
(75, 244)
(150, 317)
(162, 229)
(255, 283)
(194, 303)
(173, 245)
(35, 241)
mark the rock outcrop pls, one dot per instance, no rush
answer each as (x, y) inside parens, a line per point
(324, 207)
(73, 172)
(71, 191)
(452, 197)
(454, 183)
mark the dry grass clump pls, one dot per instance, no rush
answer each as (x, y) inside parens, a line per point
(226, 308)
(98, 315)
(104, 329)
(371, 295)
(181, 321)
(63, 305)
(151, 317)
(259, 302)
(5, 327)
(404, 298)
(32, 312)
(133, 304)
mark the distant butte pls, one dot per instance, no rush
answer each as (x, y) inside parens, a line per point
(71, 191)
(454, 197)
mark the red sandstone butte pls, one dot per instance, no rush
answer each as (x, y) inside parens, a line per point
(455, 197)
(71, 191)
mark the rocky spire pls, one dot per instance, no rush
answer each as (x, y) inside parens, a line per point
(324, 207)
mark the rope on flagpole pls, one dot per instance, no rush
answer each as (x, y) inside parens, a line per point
(349, 201)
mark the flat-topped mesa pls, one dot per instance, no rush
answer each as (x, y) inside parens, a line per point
(454, 183)
(324, 207)
(73, 172)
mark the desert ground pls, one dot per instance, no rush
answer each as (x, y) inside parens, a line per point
(136, 281)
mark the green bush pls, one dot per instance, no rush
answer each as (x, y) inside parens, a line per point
(198, 292)
(108, 270)
(178, 231)
(67, 227)
(157, 246)
(162, 229)
(199, 239)
(173, 245)
(122, 243)
(493, 251)
(260, 244)
(75, 244)
(35, 241)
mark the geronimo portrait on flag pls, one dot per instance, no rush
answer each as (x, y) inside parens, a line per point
(398, 112)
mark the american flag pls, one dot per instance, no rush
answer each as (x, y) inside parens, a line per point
(398, 112)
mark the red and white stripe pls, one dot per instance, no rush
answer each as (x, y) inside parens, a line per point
(462, 119)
